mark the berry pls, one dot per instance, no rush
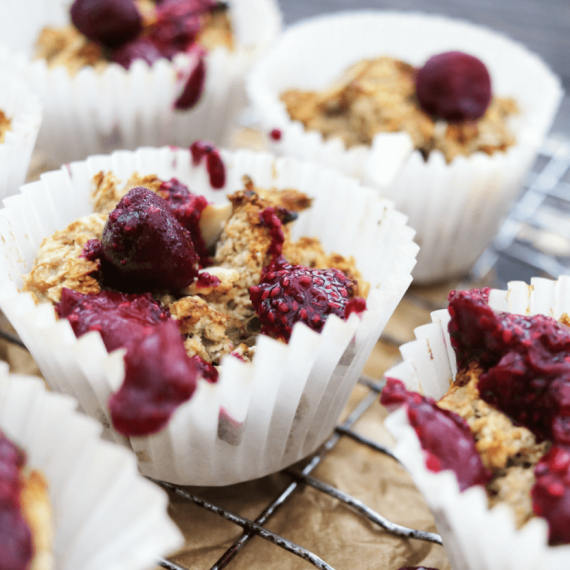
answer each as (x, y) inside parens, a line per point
(287, 294)
(140, 48)
(525, 361)
(551, 493)
(145, 246)
(454, 86)
(108, 22)
(214, 163)
(445, 436)
(117, 316)
(205, 369)
(276, 134)
(187, 209)
(159, 376)
(194, 86)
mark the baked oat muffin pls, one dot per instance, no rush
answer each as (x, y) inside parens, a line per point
(328, 100)
(93, 105)
(245, 404)
(506, 398)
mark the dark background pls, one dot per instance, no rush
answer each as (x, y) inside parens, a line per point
(542, 25)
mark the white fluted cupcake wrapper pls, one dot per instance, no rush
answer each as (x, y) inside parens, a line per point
(259, 417)
(105, 514)
(455, 208)
(98, 112)
(475, 537)
(23, 108)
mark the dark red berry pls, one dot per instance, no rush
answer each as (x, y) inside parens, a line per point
(525, 361)
(119, 317)
(159, 376)
(445, 437)
(214, 163)
(454, 86)
(108, 22)
(551, 493)
(187, 209)
(140, 48)
(287, 294)
(276, 134)
(145, 246)
(206, 281)
(194, 86)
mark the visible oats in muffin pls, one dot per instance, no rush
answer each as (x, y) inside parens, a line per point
(379, 95)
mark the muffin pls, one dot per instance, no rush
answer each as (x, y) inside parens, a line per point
(258, 416)
(454, 181)
(75, 500)
(20, 119)
(93, 105)
(511, 479)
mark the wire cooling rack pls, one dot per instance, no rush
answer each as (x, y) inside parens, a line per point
(533, 241)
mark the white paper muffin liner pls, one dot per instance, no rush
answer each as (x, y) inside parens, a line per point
(23, 108)
(474, 537)
(97, 112)
(259, 417)
(105, 514)
(455, 208)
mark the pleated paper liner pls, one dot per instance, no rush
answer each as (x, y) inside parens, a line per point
(260, 416)
(19, 104)
(97, 112)
(474, 537)
(105, 514)
(455, 208)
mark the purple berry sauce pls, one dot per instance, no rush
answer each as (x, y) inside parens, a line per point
(214, 163)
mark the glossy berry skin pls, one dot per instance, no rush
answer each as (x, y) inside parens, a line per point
(288, 294)
(111, 23)
(145, 247)
(445, 436)
(454, 86)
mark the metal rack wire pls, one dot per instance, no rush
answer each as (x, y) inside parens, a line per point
(533, 240)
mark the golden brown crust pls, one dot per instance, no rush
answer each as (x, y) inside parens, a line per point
(58, 263)
(379, 95)
(38, 514)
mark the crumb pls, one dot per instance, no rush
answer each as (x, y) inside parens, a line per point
(58, 263)
(5, 126)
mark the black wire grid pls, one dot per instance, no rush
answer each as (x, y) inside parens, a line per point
(533, 241)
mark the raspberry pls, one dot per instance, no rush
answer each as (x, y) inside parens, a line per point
(117, 316)
(108, 22)
(551, 493)
(525, 361)
(454, 86)
(140, 48)
(187, 209)
(287, 294)
(145, 247)
(444, 436)
(159, 376)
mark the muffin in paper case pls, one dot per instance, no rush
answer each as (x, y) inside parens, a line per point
(455, 208)
(259, 417)
(474, 537)
(96, 112)
(105, 514)
(23, 108)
